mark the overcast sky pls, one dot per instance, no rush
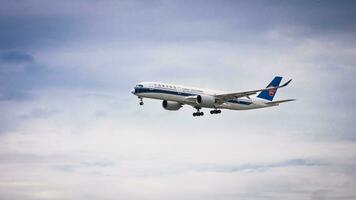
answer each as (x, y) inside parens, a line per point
(71, 129)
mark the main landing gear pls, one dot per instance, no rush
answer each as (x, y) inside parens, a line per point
(141, 101)
(215, 111)
(198, 113)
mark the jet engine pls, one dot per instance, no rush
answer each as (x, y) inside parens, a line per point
(205, 101)
(171, 105)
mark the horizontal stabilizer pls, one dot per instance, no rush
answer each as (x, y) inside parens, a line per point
(280, 101)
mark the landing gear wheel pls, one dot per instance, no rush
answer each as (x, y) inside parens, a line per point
(198, 113)
(215, 111)
(141, 101)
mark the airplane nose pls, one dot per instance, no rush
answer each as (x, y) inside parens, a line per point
(133, 91)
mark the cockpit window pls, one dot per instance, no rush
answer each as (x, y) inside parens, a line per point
(139, 86)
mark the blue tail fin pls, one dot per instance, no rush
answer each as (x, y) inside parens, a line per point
(269, 94)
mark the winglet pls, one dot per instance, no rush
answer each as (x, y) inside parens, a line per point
(285, 84)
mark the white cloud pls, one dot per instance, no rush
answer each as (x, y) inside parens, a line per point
(83, 136)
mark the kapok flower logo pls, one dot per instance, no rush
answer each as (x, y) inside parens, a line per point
(272, 91)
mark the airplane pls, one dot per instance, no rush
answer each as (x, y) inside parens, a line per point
(175, 96)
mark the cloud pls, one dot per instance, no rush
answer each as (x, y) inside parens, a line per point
(69, 121)
(19, 73)
(16, 57)
(29, 32)
(256, 167)
(38, 113)
(36, 24)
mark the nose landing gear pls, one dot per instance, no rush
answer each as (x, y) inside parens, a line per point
(141, 101)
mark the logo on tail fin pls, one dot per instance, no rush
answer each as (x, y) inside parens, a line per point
(271, 92)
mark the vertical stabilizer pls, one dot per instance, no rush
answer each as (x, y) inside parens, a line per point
(269, 94)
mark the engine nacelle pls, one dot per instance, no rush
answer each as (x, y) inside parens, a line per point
(206, 101)
(171, 105)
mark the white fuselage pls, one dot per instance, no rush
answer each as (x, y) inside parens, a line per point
(184, 94)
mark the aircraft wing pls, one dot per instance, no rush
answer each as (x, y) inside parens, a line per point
(230, 96)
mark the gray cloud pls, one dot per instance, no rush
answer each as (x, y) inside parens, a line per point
(256, 167)
(33, 31)
(85, 165)
(38, 113)
(66, 69)
(161, 22)
(19, 73)
(16, 57)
